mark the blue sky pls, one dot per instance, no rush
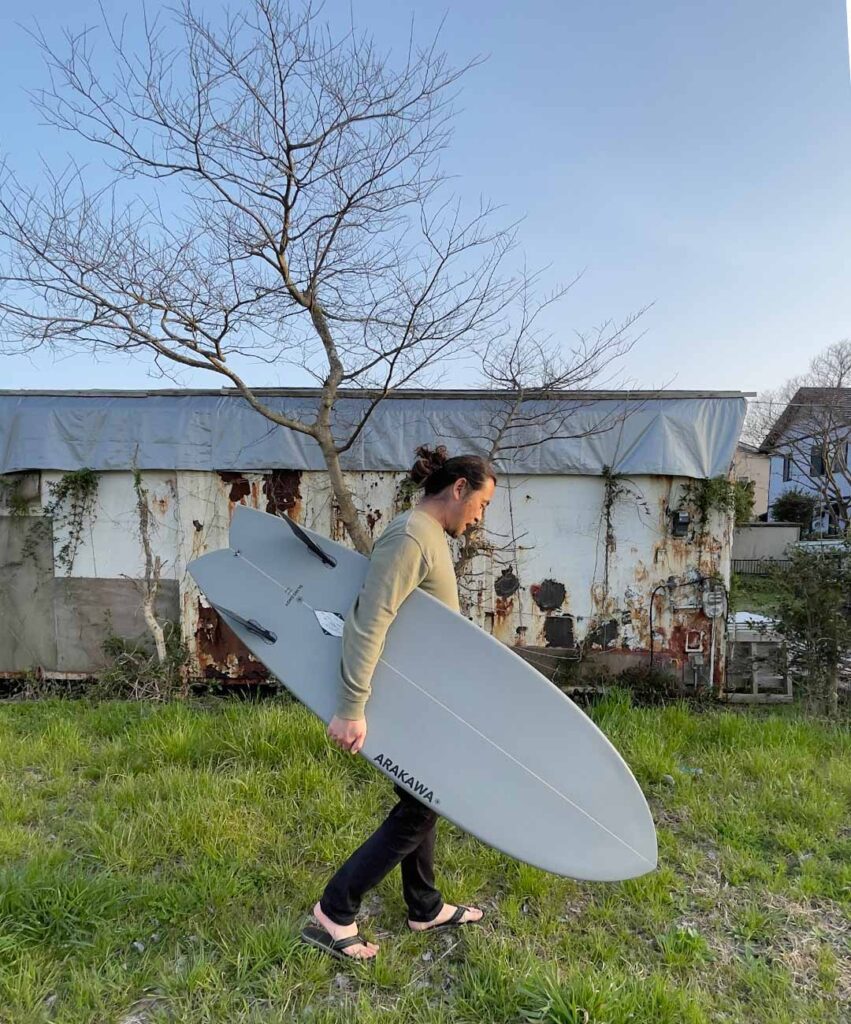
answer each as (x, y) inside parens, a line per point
(692, 155)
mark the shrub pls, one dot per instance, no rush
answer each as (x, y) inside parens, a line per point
(795, 506)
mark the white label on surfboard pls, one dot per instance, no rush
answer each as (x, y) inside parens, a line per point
(331, 622)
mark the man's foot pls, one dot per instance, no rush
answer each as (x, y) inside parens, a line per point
(470, 916)
(360, 950)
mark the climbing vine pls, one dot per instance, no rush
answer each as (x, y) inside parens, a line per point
(11, 496)
(72, 502)
(719, 494)
(405, 494)
(743, 500)
(615, 488)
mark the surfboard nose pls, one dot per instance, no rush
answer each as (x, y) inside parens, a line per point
(646, 848)
(615, 857)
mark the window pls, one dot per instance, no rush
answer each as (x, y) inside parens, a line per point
(787, 468)
(816, 461)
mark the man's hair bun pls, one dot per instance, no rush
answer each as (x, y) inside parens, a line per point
(434, 470)
(428, 461)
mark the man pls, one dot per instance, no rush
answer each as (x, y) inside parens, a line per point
(412, 551)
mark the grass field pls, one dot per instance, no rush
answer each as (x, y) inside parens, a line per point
(158, 862)
(754, 593)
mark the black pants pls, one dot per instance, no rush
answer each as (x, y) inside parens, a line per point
(406, 837)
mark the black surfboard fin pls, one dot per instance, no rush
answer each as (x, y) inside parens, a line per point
(252, 625)
(303, 537)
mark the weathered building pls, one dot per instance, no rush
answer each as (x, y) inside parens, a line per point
(597, 546)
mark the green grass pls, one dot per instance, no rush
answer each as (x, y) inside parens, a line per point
(158, 863)
(753, 594)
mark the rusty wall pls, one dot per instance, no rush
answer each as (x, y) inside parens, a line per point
(572, 564)
(562, 572)
(567, 565)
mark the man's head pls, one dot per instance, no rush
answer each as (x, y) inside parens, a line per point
(458, 489)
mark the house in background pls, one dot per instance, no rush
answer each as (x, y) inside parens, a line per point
(593, 553)
(753, 466)
(808, 446)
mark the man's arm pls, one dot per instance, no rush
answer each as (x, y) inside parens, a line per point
(396, 568)
(395, 571)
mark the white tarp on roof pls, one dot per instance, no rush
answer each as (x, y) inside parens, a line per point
(679, 434)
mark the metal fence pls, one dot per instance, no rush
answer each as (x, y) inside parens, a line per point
(759, 566)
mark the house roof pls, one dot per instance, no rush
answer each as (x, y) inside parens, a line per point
(805, 398)
(637, 395)
(748, 449)
(691, 434)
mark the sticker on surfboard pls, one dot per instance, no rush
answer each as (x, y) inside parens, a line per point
(331, 622)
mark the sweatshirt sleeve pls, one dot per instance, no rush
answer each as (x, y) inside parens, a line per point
(395, 570)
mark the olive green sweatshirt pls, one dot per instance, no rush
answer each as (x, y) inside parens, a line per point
(412, 551)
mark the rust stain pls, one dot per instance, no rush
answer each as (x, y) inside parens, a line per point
(220, 652)
(338, 527)
(677, 639)
(603, 603)
(240, 487)
(372, 517)
(499, 620)
(282, 490)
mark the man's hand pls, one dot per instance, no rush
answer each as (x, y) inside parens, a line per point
(348, 735)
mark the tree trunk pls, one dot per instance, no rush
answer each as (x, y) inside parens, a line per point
(348, 512)
(153, 567)
(151, 619)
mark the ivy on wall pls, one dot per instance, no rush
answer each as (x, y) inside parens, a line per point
(11, 496)
(719, 494)
(72, 504)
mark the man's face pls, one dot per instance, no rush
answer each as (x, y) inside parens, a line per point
(469, 506)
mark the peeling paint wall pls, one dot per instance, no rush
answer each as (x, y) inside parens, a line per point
(587, 581)
(558, 570)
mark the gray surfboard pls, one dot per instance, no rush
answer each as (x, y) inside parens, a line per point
(461, 720)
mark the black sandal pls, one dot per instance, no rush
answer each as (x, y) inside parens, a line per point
(453, 922)
(316, 935)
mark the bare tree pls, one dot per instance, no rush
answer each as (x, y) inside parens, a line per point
(531, 375)
(765, 410)
(275, 196)
(150, 585)
(808, 421)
